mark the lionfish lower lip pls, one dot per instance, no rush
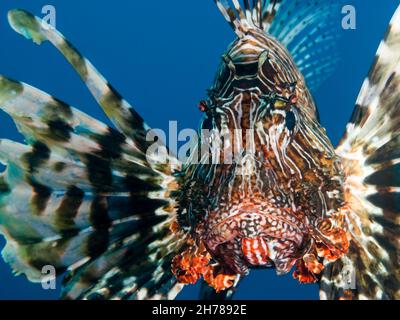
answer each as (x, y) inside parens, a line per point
(253, 224)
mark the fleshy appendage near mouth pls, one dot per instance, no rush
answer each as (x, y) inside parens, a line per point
(249, 239)
(278, 238)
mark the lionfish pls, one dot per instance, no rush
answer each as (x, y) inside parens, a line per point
(83, 197)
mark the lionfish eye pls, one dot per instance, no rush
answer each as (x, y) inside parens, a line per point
(279, 104)
(290, 120)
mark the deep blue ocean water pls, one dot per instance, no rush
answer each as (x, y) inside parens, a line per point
(162, 56)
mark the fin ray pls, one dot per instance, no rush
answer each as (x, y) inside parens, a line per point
(120, 112)
(81, 190)
(371, 185)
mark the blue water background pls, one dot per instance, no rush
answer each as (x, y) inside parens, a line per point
(162, 56)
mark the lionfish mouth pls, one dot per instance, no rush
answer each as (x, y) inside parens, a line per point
(275, 237)
(249, 238)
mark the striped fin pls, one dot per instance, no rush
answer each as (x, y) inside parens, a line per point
(370, 155)
(231, 17)
(52, 214)
(46, 167)
(120, 112)
(139, 269)
(251, 14)
(66, 130)
(46, 223)
(269, 13)
(81, 196)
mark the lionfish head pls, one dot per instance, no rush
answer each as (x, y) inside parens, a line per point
(272, 177)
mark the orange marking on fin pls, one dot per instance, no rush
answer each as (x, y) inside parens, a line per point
(347, 295)
(219, 280)
(312, 264)
(190, 265)
(303, 274)
(194, 262)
